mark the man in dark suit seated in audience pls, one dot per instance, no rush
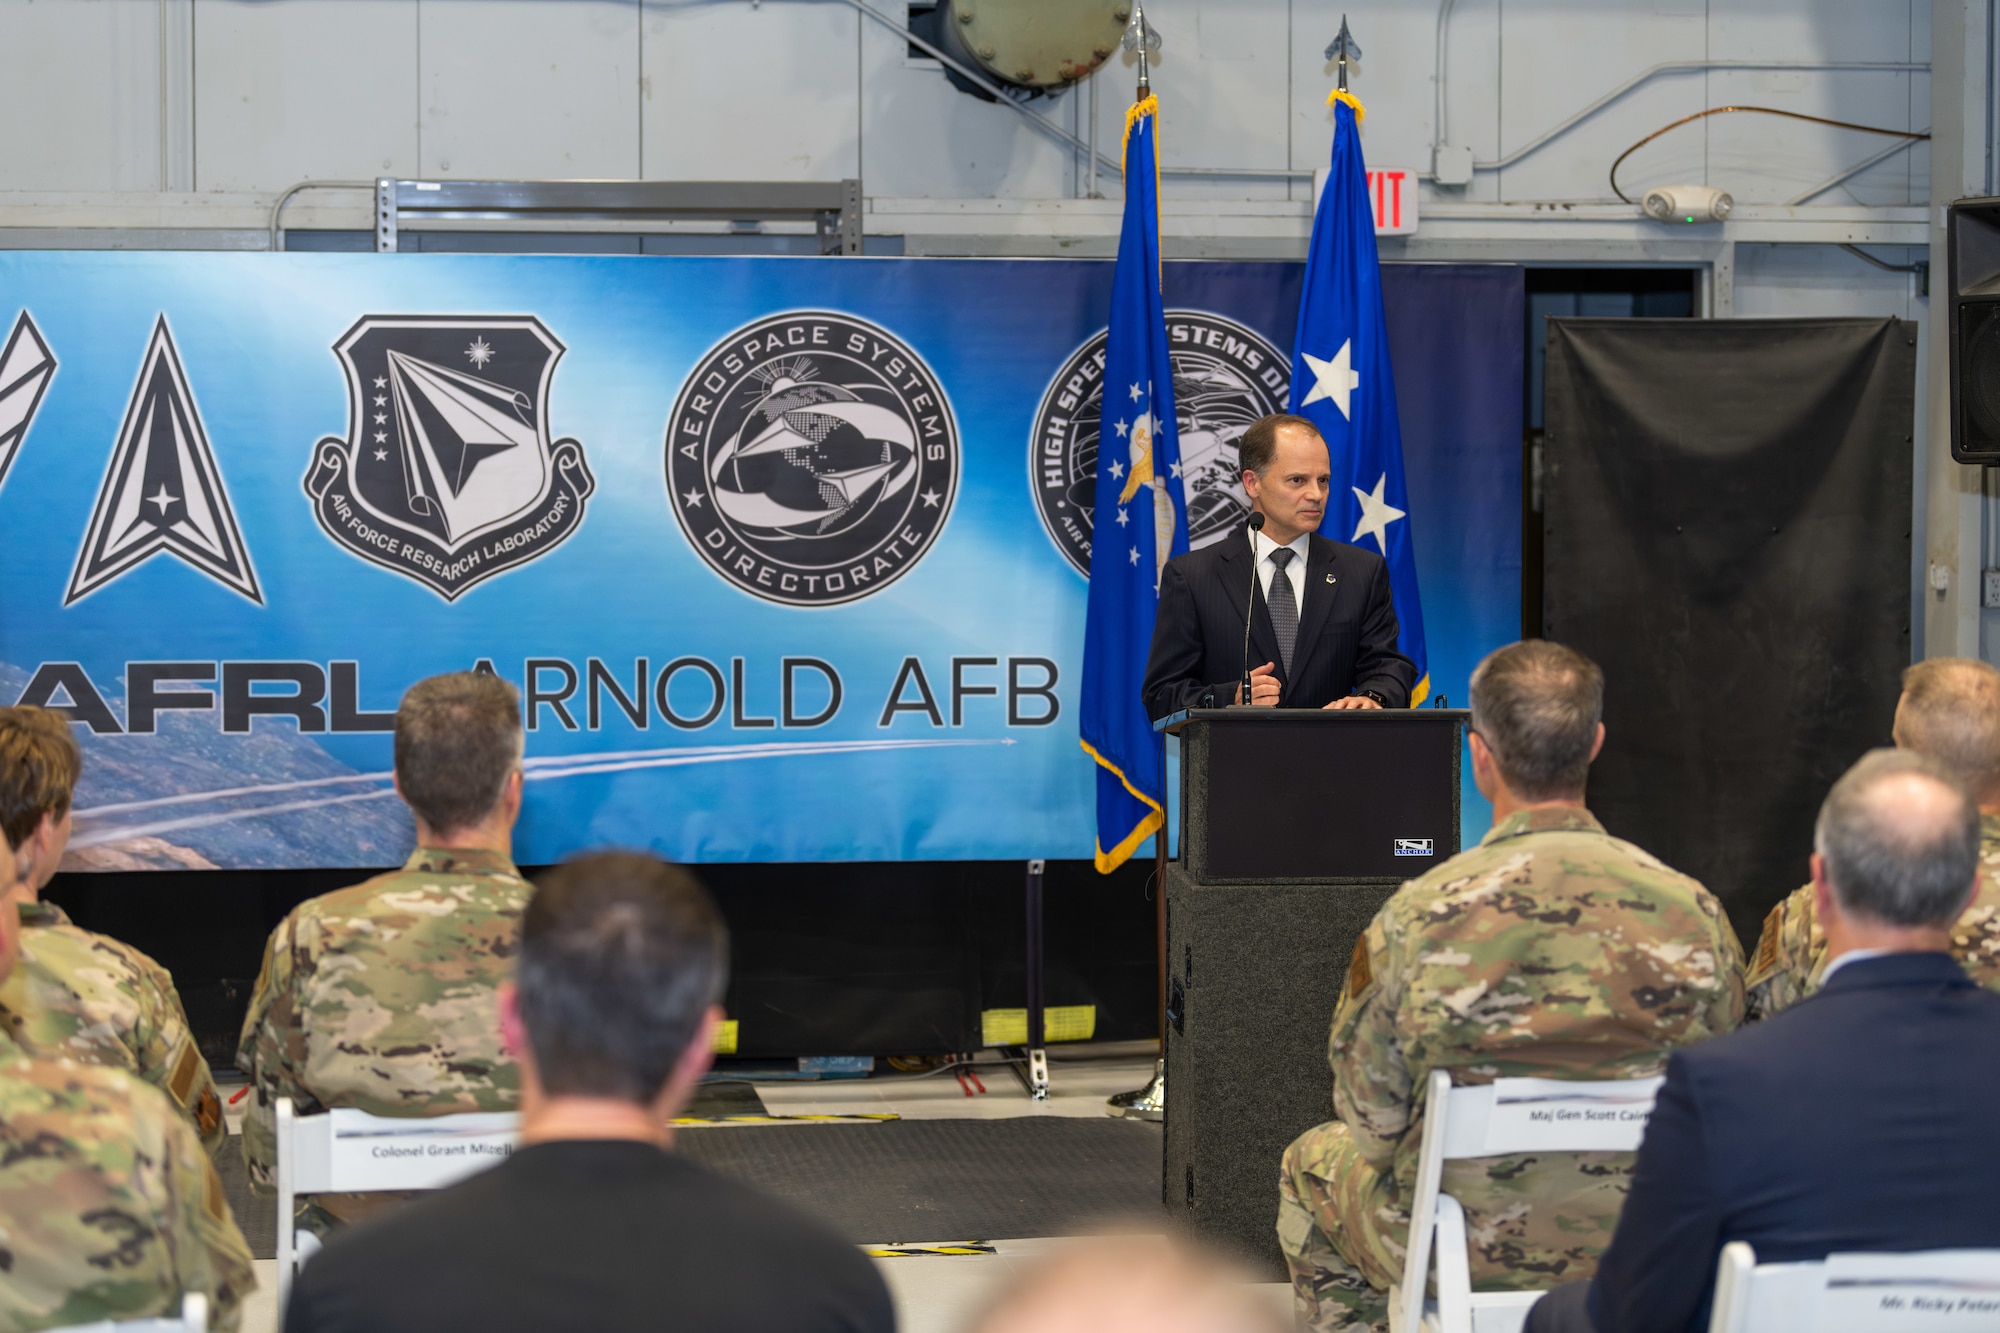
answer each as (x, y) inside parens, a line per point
(592, 1223)
(1861, 1119)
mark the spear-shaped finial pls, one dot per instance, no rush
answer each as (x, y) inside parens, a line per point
(1144, 39)
(1343, 51)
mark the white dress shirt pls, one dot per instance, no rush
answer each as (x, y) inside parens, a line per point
(1851, 956)
(1295, 571)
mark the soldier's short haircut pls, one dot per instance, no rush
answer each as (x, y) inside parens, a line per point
(1900, 837)
(621, 954)
(458, 737)
(1951, 712)
(39, 766)
(1537, 704)
(1258, 444)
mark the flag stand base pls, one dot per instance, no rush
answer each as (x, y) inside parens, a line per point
(1147, 1103)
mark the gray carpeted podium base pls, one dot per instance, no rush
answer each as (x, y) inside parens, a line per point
(1254, 973)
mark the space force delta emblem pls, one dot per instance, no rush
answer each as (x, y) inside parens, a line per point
(812, 458)
(447, 474)
(162, 490)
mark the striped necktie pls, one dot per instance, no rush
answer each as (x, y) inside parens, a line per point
(1284, 607)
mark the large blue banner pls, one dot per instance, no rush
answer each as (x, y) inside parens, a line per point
(785, 555)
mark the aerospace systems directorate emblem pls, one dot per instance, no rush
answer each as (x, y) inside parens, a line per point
(447, 474)
(1225, 377)
(812, 458)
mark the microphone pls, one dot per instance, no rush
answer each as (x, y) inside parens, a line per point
(1256, 525)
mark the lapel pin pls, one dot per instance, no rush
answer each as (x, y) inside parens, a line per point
(1331, 579)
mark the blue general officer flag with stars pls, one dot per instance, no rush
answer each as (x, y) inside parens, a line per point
(1341, 382)
(1139, 521)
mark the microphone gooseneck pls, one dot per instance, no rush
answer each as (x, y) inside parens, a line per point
(1250, 606)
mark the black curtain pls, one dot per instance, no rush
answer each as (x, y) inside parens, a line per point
(1726, 529)
(846, 958)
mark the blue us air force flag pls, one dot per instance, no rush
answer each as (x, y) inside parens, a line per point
(1341, 382)
(1138, 521)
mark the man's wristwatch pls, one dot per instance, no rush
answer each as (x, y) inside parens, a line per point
(1373, 695)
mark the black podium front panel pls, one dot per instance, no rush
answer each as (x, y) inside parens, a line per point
(1316, 796)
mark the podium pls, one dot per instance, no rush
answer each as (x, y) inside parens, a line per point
(1296, 826)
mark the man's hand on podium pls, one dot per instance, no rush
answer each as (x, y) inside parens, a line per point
(1263, 687)
(1354, 701)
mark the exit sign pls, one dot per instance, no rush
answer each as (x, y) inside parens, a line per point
(1393, 193)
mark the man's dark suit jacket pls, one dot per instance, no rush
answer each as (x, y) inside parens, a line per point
(1860, 1119)
(1346, 642)
(591, 1236)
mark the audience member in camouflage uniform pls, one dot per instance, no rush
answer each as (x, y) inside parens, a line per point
(1949, 712)
(76, 993)
(1551, 950)
(109, 1206)
(381, 997)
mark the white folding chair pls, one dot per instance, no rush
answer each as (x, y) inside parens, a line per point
(194, 1319)
(1857, 1293)
(1511, 1115)
(352, 1152)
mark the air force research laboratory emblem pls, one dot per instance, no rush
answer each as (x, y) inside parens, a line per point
(447, 474)
(812, 458)
(1225, 377)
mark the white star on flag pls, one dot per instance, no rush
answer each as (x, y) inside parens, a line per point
(1376, 514)
(1136, 395)
(1335, 379)
(1120, 427)
(1124, 517)
(1117, 470)
(1135, 555)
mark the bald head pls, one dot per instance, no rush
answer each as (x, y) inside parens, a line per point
(1900, 838)
(1130, 1284)
(1950, 711)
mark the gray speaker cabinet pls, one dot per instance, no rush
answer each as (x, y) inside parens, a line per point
(1296, 827)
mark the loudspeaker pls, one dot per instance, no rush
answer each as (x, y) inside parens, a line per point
(1253, 973)
(1972, 240)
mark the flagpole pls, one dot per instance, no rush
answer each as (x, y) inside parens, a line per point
(1150, 1102)
(1143, 39)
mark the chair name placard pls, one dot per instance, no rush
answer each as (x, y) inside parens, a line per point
(367, 1152)
(1889, 1293)
(1545, 1114)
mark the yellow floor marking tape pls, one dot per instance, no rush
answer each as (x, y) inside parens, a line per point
(925, 1251)
(783, 1119)
(868, 1117)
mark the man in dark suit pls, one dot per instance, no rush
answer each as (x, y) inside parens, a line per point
(1860, 1119)
(1323, 627)
(594, 1223)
